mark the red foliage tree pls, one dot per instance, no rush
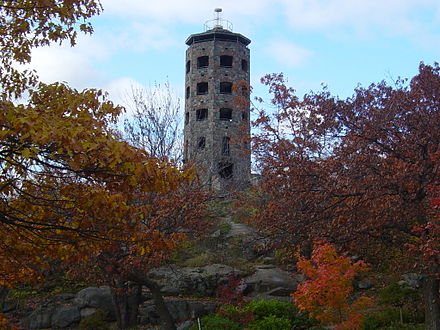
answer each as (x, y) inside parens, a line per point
(324, 294)
(357, 172)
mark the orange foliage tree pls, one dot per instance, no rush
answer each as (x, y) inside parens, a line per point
(325, 293)
(71, 192)
(357, 172)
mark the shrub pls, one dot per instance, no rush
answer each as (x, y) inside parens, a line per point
(397, 295)
(280, 310)
(231, 293)
(217, 322)
(236, 314)
(272, 322)
(263, 308)
(390, 319)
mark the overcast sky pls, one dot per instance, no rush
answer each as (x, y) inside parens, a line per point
(336, 42)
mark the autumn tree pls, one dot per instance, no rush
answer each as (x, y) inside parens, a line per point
(26, 24)
(325, 293)
(70, 191)
(154, 121)
(356, 172)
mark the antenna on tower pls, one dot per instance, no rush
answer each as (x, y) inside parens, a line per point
(217, 18)
(218, 22)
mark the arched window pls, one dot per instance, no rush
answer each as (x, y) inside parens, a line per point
(188, 66)
(225, 170)
(187, 118)
(187, 92)
(201, 142)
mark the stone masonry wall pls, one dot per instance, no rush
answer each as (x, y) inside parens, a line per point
(212, 128)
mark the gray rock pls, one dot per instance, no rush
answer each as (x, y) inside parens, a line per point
(414, 280)
(99, 298)
(216, 234)
(266, 279)
(265, 266)
(202, 281)
(180, 310)
(364, 284)
(86, 312)
(39, 319)
(279, 292)
(65, 316)
(185, 325)
(63, 297)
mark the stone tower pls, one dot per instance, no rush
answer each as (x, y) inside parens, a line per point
(217, 127)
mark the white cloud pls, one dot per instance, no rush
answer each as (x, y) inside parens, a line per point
(189, 11)
(74, 65)
(288, 53)
(141, 36)
(61, 64)
(398, 17)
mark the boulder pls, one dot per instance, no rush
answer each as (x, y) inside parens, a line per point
(86, 312)
(185, 325)
(414, 280)
(268, 278)
(180, 310)
(364, 284)
(199, 281)
(65, 316)
(40, 318)
(99, 298)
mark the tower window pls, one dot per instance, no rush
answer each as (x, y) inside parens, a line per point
(225, 170)
(225, 88)
(202, 62)
(188, 66)
(201, 142)
(202, 88)
(201, 114)
(225, 146)
(226, 114)
(226, 61)
(187, 118)
(244, 115)
(187, 92)
(244, 65)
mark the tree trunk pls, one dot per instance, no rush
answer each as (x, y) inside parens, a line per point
(3, 294)
(161, 307)
(431, 295)
(127, 302)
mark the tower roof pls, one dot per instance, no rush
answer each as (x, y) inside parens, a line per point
(217, 34)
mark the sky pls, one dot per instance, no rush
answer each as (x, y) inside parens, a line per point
(338, 43)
